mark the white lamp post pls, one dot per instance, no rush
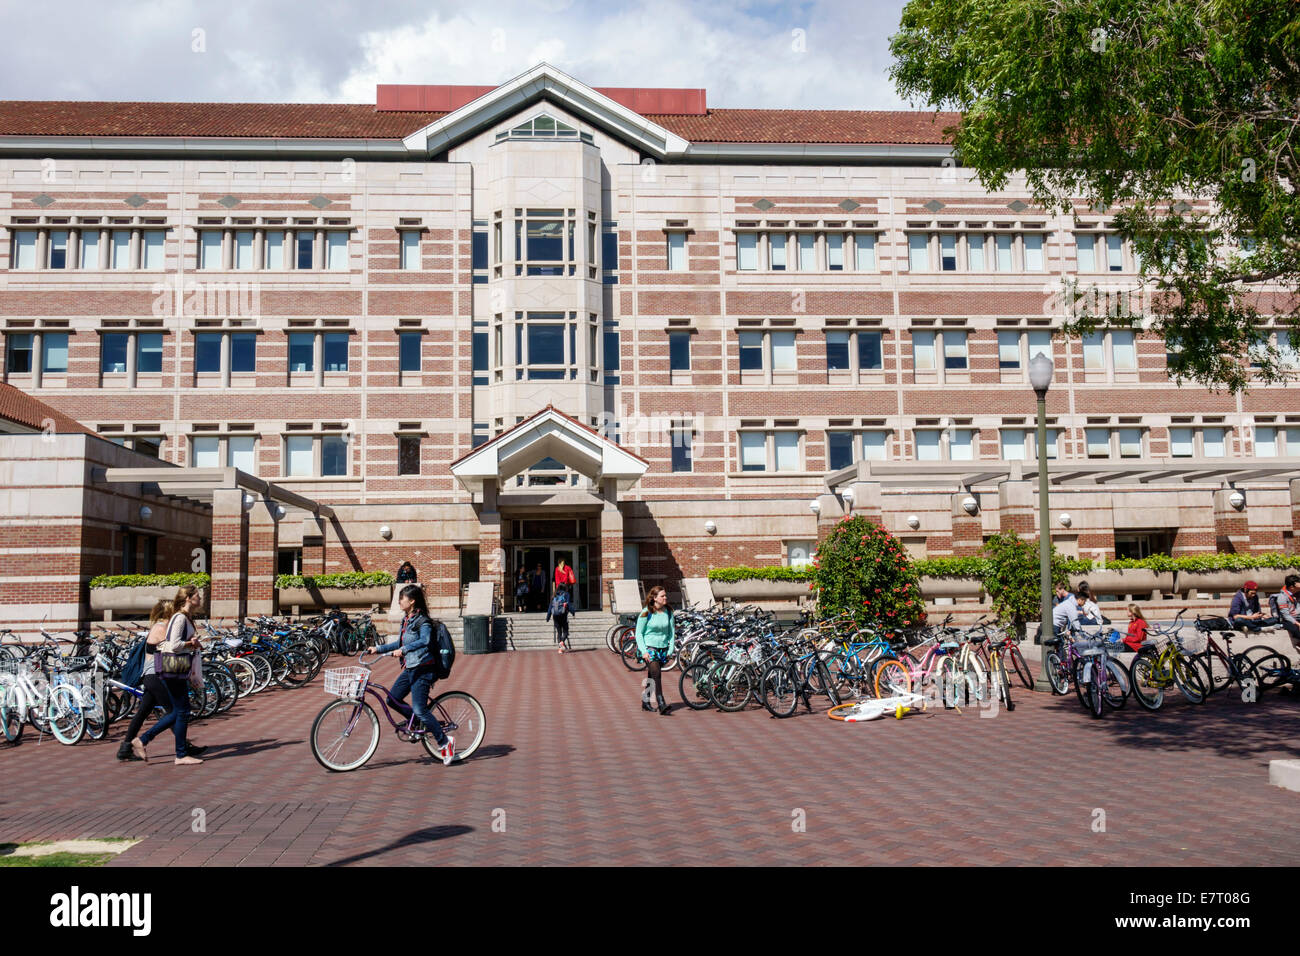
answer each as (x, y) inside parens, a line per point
(1040, 379)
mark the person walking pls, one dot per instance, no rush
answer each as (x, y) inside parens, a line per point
(155, 693)
(521, 590)
(558, 613)
(417, 645)
(178, 649)
(537, 589)
(656, 641)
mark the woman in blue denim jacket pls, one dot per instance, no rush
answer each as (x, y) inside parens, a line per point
(415, 644)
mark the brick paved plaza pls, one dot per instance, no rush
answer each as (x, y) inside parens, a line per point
(579, 775)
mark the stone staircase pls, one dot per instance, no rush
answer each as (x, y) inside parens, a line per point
(525, 632)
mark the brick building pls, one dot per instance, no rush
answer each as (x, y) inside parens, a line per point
(482, 328)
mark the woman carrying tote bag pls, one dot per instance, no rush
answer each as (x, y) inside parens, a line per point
(174, 666)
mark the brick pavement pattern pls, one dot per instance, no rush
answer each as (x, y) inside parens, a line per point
(573, 772)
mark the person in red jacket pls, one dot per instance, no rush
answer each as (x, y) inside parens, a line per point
(1137, 628)
(564, 576)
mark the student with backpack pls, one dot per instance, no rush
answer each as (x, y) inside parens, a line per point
(558, 614)
(656, 641)
(1285, 606)
(427, 653)
(170, 672)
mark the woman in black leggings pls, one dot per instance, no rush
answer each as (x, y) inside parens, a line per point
(172, 691)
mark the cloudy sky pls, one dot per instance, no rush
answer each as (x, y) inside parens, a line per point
(822, 53)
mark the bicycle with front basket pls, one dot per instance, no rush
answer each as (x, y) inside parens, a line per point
(345, 734)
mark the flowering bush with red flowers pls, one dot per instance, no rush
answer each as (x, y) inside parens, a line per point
(863, 570)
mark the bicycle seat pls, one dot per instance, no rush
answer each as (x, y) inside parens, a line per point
(978, 639)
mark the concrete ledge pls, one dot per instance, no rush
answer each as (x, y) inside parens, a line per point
(1284, 774)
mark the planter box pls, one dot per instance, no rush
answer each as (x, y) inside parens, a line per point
(331, 597)
(1136, 581)
(751, 592)
(133, 602)
(1227, 582)
(947, 587)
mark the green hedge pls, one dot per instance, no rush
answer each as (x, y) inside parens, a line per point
(777, 573)
(349, 579)
(1206, 562)
(150, 580)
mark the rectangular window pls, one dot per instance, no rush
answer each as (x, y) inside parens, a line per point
(243, 352)
(1292, 437)
(1086, 247)
(1033, 253)
(954, 350)
(24, 249)
(865, 250)
(20, 352)
(1287, 353)
(753, 451)
(408, 455)
(787, 451)
(962, 445)
(874, 447)
(1212, 441)
(1098, 442)
(112, 352)
(151, 254)
(206, 452)
(807, 252)
(835, 252)
(243, 249)
(90, 248)
(302, 351)
(305, 239)
(545, 345)
(409, 349)
(798, 554)
(923, 351)
(479, 357)
(751, 351)
(335, 351)
(1094, 356)
(927, 445)
(1180, 443)
(333, 455)
(120, 248)
(783, 357)
(1004, 253)
(337, 249)
(1130, 443)
(611, 356)
(148, 354)
(54, 351)
(837, 351)
(870, 354)
(839, 450)
(274, 249)
(241, 453)
(1123, 351)
(1053, 438)
(918, 252)
(682, 439)
(207, 353)
(151, 446)
(1114, 253)
(210, 249)
(478, 251)
(1013, 444)
(1040, 343)
(1266, 442)
(746, 251)
(1009, 350)
(975, 253)
(948, 252)
(609, 250)
(410, 249)
(777, 242)
(679, 351)
(677, 251)
(298, 455)
(58, 249)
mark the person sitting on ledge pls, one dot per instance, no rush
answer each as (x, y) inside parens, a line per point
(1245, 613)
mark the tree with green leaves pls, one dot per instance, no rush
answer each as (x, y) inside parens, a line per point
(1179, 118)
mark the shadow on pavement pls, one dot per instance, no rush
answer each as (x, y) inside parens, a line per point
(418, 837)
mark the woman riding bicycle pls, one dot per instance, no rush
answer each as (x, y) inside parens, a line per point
(416, 644)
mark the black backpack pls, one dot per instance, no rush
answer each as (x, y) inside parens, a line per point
(442, 651)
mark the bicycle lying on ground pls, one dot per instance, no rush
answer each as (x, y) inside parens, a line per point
(345, 734)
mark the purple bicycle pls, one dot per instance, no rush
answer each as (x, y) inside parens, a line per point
(345, 733)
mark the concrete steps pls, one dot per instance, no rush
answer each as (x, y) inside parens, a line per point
(533, 632)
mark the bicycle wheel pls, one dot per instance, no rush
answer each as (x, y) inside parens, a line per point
(732, 686)
(461, 717)
(93, 708)
(1274, 669)
(1148, 681)
(344, 735)
(1004, 684)
(1091, 691)
(693, 686)
(1057, 675)
(1187, 678)
(1244, 671)
(11, 719)
(244, 673)
(64, 711)
(299, 669)
(977, 677)
(226, 683)
(779, 689)
(265, 673)
(628, 653)
(947, 678)
(1116, 685)
(892, 679)
(1021, 667)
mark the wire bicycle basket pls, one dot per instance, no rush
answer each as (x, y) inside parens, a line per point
(346, 682)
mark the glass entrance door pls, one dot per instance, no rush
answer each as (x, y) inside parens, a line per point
(539, 563)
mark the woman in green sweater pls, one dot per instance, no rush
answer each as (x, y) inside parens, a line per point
(655, 642)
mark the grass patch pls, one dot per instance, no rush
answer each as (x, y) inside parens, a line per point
(79, 853)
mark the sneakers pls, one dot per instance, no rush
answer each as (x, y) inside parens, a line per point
(448, 751)
(127, 756)
(193, 750)
(187, 761)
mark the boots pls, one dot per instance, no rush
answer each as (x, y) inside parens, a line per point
(663, 706)
(646, 690)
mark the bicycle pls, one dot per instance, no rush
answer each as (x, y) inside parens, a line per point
(350, 724)
(1219, 666)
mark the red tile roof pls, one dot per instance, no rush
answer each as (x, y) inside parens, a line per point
(19, 407)
(363, 121)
